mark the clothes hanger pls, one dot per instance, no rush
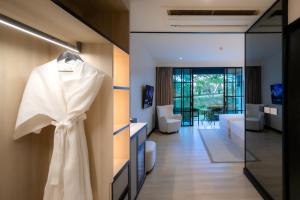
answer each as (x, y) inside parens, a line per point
(68, 56)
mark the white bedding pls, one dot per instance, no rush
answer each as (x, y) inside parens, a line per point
(237, 128)
(225, 120)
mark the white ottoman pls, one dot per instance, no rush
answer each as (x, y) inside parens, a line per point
(150, 155)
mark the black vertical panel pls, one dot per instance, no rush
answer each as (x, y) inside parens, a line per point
(293, 110)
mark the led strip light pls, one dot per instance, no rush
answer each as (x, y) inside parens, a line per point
(36, 33)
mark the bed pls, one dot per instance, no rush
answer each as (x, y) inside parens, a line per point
(237, 135)
(226, 119)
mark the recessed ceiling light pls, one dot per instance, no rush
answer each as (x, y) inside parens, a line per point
(180, 58)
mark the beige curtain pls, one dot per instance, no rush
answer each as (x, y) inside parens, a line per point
(164, 86)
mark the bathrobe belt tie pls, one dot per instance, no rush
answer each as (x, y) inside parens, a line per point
(61, 131)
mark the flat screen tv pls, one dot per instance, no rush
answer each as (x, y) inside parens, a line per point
(277, 93)
(148, 96)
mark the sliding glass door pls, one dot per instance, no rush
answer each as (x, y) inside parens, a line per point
(208, 93)
(212, 91)
(183, 94)
(233, 96)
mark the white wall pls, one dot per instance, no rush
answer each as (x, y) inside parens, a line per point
(272, 74)
(142, 73)
(196, 50)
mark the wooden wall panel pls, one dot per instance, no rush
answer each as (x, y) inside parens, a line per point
(99, 124)
(24, 163)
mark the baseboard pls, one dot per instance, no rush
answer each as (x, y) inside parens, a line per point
(257, 185)
(273, 129)
(151, 132)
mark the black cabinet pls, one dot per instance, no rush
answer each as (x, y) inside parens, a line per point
(120, 186)
(140, 165)
(137, 161)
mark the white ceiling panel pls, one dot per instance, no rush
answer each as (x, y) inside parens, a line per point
(151, 15)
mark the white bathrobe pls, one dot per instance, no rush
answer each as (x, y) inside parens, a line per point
(54, 96)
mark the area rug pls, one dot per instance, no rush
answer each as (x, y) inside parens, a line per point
(222, 149)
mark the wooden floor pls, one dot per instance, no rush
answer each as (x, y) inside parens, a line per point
(183, 171)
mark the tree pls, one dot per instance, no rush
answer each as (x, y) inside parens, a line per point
(210, 86)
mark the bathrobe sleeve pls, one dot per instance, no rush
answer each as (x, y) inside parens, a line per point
(32, 115)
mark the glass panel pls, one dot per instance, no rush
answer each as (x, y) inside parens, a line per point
(230, 75)
(177, 90)
(238, 103)
(230, 104)
(177, 75)
(187, 75)
(177, 104)
(230, 89)
(234, 90)
(186, 103)
(187, 90)
(239, 89)
(186, 118)
(264, 137)
(239, 75)
(182, 94)
(141, 164)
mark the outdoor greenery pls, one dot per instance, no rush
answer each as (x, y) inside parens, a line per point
(208, 90)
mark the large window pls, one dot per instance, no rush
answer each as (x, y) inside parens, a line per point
(204, 90)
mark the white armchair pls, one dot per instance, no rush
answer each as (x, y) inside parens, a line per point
(255, 119)
(168, 122)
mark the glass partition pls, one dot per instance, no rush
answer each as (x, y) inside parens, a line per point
(264, 93)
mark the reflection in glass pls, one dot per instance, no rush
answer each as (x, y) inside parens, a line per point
(264, 130)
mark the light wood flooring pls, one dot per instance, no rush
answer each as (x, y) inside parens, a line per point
(183, 171)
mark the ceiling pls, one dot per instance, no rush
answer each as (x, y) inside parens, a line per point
(191, 50)
(151, 15)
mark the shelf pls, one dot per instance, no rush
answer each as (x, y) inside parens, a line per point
(119, 128)
(121, 142)
(121, 67)
(32, 13)
(118, 165)
(121, 108)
